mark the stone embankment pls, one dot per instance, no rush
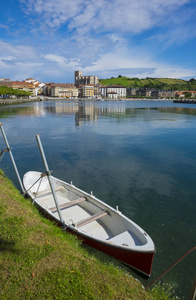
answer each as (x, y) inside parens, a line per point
(19, 100)
(190, 101)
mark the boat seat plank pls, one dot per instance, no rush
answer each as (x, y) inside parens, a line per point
(92, 218)
(48, 191)
(68, 204)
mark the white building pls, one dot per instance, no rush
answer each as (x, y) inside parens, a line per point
(113, 91)
(38, 86)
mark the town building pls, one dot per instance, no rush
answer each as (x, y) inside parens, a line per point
(131, 92)
(113, 91)
(86, 91)
(6, 82)
(145, 92)
(38, 86)
(85, 80)
(182, 94)
(24, 86)
(157, 94)
(32, 86)
(63, 90)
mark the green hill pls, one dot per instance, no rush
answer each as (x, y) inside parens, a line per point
(156, 83)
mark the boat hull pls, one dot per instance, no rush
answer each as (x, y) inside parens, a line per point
(138, 260)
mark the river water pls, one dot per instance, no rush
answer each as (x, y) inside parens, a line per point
(137, 155)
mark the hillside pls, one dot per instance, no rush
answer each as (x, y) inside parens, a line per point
(40, 261)
(4, 90)
(156, 83)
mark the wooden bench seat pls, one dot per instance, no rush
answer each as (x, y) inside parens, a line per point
(48, 191)
(68, 204)
(92, 218)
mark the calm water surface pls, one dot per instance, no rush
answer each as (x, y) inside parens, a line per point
(139, 155)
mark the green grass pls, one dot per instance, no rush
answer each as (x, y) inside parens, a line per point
(40, 261)
(157, 83)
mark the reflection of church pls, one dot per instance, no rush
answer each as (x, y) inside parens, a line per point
(87, 111)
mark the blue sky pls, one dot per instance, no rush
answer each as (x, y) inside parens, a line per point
(50, 39)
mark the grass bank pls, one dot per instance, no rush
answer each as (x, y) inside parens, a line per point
(39, 261)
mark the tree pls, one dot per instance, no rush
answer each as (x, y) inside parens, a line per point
(4, 90)
(188, 95)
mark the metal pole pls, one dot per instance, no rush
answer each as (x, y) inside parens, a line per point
(12, 158)
(48, 173)
(193, 292)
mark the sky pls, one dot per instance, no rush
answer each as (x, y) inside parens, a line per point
(50, 39)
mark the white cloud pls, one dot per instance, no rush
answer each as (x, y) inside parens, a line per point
(18, 52)
(53, 13)
(22, 61)
(19, 61)
(175, 36)
(97, 37)
(135, 63)
(103, 15)
(7, 58)
(63, 61)
(56, 58)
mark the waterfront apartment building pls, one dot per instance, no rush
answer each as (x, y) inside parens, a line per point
(63, 90)
(24, 86)
(113, 91)
(38, 86)
(85, 80)
(86, 91)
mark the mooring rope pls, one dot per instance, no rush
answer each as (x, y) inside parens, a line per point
(171, 267)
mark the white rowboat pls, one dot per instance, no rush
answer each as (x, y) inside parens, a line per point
(93, 221)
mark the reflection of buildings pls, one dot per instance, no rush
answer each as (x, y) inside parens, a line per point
(86, 111)
(83, 111)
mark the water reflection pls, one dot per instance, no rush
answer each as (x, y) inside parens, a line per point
(88, 111)
(137, 155)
